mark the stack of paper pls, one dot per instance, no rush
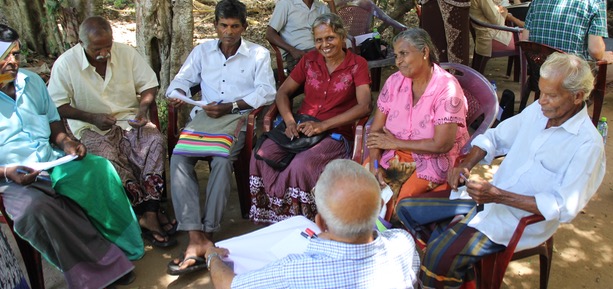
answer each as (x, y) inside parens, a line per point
(254, 250)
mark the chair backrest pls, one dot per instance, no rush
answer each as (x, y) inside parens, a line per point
(474, 22)
(597, 94)
(358, 15)
(480, 95)
(280, 65)
(482, 105)
(534, 55)
(480, 61)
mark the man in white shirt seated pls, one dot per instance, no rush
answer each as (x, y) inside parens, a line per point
(347, 254)
(234, 76)
(554, 164)
(104, 89)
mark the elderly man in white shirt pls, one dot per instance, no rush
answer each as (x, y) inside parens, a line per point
(234, 75)
(554, 164)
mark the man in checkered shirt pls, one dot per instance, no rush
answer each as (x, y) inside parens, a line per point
(573, 26)
(347, 254)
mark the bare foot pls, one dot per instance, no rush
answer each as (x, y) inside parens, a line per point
(198, 244)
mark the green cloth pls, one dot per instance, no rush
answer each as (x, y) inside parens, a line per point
(94, 184)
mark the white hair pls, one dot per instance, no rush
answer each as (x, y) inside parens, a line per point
(347, 175)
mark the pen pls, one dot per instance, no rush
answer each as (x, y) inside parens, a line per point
(311, 233)
(219, 102)
(39, 177)
(466, 180)
(376, 165)
(303, 234)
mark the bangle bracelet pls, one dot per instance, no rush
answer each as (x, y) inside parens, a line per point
(6, 178)
(209, 258)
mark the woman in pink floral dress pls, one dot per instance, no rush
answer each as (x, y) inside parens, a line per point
(420, 118)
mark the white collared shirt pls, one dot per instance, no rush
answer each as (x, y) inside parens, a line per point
(562, 167)
(246, 75)
(75, 81)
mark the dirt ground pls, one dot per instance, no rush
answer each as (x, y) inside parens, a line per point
(583, 251)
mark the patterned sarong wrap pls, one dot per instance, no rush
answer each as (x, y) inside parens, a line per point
(96, 187)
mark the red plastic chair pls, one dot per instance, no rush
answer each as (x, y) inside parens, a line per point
(482, 105)
(357, 17)
(534, 55)
(241, 165)
(479, 61)
(491, 269)
(280, 65)
(30, 256)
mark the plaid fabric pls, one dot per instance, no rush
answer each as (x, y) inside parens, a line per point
(565, 24)
(390, 261)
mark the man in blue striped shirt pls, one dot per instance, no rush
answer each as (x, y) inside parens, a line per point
(347, 254)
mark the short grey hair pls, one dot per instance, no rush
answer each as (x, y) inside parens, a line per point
(93, 25)
(342, 174)
(577, 73)
(334, 21)
(420, 39)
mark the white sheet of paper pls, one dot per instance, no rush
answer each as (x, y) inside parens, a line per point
(47, 165)
(254, 250)
(179, 96)
(460, 193)
(360, 38)
(386, 195)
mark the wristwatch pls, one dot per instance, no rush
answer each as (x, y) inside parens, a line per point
(235, 108)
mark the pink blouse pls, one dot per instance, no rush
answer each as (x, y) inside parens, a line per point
(443, 102)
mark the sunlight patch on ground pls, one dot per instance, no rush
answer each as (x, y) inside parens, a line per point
(173, 283)
(124, 32)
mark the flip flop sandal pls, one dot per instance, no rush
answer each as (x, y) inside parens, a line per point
(150, 236)
(173, 268)
(174, 223)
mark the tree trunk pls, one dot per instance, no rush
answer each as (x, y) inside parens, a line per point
(153, 37)
(36, 25)
(164, 35)
(182, 34)
(37, 22)
(182, 41)
(86, 8)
